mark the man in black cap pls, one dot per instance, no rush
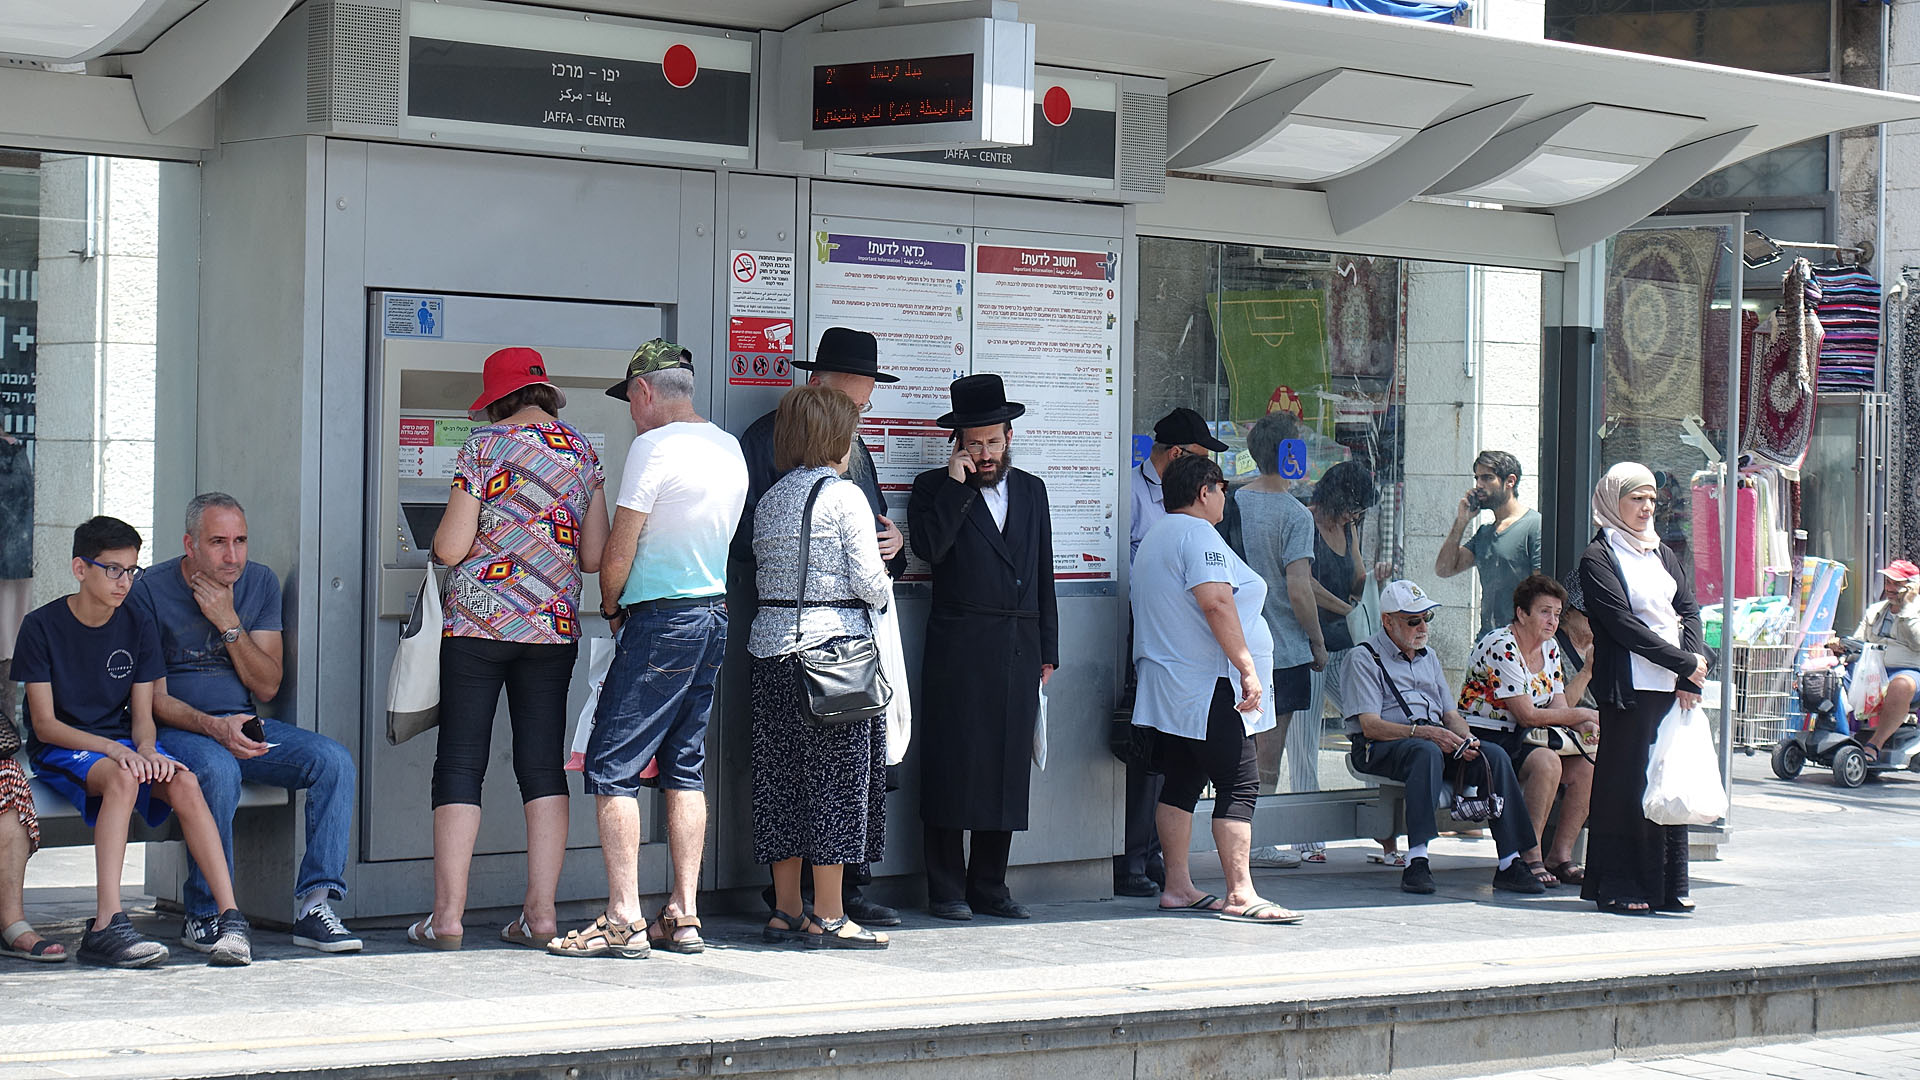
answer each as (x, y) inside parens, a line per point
(993, 638)
(847, 361)
(1181, 433)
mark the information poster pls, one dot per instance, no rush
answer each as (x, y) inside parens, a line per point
(910, 291)
(1043, 312)
(760, 318)
(1046, 317)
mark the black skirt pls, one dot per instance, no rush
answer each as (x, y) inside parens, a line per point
(1630, 859)
(818, 793)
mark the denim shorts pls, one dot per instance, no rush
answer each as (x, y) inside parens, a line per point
(656, 699)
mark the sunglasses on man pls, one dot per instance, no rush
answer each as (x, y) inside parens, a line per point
(1417, 620)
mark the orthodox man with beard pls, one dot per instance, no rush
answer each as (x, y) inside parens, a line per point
(992, 641)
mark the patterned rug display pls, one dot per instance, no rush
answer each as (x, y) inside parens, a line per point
(1364, 317)
(1903, 382)
(1713, 386)
(1776, 420)
(1659, 283)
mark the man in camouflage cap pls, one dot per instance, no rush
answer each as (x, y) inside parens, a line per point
(663, 588)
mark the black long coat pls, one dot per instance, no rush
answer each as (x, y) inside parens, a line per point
(993, 624)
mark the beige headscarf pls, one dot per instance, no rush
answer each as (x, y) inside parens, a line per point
(1620, 481)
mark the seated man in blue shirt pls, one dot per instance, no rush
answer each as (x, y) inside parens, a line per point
(1402, 716)
(219, 621)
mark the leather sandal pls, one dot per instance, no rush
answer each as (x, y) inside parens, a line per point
(668, 925)
(790, 931)
(625, 941)
(421, 934)
(830, 936)
(1543, 875)
(1570, 872)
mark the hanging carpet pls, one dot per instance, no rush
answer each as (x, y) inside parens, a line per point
(1849, 312)
(1776, 414)
(1659, 282)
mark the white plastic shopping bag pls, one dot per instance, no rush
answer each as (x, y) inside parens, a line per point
(1040, 732)
(1866, 686)
(413, 692)
(599, 659)
(1363, 621)
(893, 664)
(1683, 772)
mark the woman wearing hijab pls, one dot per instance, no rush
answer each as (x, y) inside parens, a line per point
(1648, 655)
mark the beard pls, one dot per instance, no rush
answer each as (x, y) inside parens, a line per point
(977, 479)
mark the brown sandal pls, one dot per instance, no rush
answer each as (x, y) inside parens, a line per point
(605, 937)
(669, 925)
(1543, 875)
(1570, 872)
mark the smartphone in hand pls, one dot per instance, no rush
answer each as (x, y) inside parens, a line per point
(254, 729)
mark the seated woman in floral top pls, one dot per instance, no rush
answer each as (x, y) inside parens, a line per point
(1514, 682)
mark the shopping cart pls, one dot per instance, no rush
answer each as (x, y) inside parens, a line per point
(1763, 688)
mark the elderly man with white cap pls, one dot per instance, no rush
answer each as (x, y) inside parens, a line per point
(1404, 727)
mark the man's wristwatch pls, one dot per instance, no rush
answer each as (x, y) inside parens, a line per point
(611, 615)
(230, 636)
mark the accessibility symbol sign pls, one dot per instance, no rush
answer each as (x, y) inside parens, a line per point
(1293, 459)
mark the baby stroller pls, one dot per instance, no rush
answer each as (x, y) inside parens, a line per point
(1829, 737)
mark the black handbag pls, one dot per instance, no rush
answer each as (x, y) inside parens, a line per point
(840, 683)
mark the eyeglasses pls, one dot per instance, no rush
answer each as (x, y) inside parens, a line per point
(866, 407)
(131, 573)
(992, 446)
(1417, 620)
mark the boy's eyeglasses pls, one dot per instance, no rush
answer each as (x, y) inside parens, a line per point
(131, 573)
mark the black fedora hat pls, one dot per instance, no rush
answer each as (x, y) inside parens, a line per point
(979, 400)
(854, 352)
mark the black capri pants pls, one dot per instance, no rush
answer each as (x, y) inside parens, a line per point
(1226, 757)
(472, 671)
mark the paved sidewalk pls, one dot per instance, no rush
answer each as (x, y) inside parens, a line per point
(1814, 874)
(1893, 1056)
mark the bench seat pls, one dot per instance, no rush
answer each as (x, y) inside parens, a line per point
(61, 824)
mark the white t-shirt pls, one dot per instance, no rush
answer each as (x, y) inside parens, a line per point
(1175, 652)
(691, 482)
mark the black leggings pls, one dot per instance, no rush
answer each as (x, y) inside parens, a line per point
(1226, 757)
(472, 671)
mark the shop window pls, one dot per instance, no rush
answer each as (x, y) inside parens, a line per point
(1788, 37)
(1404, 369)
(1800, 169)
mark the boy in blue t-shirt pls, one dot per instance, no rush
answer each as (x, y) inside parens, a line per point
(89, 669)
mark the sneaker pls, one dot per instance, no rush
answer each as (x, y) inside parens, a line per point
(1418, 877)
(200, 934)
(231, 948)
(1517, 878)
(322, 930)
(1273, 856)
(119, 945)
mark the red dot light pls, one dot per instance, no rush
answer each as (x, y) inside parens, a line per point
(1057, 105)
(679, 66)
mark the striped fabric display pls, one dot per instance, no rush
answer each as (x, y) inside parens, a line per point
(1849, 309)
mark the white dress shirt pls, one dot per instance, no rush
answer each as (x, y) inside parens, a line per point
(996, 500)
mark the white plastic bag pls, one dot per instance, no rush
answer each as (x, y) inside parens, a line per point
(1363, 620)
(413, 691)
(1683, 773)
(599, 659)
(1866, 686)
(1040, 732)
(893, 664)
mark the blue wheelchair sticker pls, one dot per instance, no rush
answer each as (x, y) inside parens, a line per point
(1293, 459)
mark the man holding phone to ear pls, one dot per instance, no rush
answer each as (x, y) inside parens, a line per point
(218, 616)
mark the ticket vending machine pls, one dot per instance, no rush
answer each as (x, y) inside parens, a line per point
(426, 353)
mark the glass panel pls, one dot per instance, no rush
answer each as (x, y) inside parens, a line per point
(1800, 169)
(1788, 37)
(80, 315)
(1376, 360)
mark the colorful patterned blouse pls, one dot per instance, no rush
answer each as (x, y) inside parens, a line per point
(1498, 670)
(521, 581)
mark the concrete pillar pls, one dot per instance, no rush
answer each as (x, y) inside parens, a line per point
(99, 274)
